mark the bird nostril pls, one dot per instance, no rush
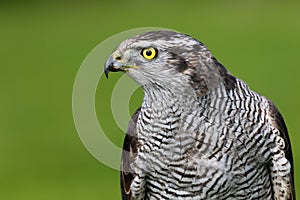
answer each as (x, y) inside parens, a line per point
(118, 58)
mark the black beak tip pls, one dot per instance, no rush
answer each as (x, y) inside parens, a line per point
(108, 66)
(106, 71)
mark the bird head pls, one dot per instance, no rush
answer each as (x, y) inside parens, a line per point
(165, 59)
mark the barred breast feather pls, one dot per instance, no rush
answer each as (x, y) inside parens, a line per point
(230, 144)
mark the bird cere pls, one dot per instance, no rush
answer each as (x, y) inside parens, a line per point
(200, 133)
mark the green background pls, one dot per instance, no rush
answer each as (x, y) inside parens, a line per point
(43, 43)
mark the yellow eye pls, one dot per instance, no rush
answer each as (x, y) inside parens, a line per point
(149, 53)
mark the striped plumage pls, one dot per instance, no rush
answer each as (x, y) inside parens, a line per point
(200, 133)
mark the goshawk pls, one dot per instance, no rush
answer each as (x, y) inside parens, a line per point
(200, 133)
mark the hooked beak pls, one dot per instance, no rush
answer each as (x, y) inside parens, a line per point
(113, 65)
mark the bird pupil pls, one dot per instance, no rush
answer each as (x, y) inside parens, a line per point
(148, 53)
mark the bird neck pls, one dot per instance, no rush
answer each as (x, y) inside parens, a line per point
(166, 117)
(165, 98)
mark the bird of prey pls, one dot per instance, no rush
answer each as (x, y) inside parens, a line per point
(200, 133)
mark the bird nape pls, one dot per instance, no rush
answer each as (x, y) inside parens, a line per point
(200, 132)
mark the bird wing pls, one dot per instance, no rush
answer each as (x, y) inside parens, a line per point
(281, 171)
(128, 156)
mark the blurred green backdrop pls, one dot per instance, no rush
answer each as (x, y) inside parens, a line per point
(43, 43)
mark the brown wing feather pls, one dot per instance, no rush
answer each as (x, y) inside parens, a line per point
(278, 122)
(128, 156)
